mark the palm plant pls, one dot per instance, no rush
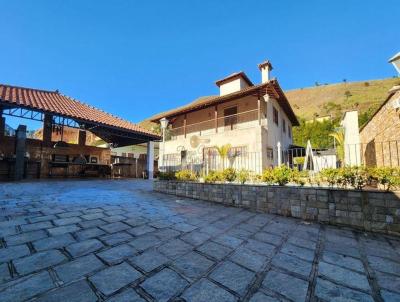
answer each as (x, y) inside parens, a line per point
(223, 152)
(338, 135)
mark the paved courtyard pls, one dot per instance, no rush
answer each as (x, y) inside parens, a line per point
(105, 240)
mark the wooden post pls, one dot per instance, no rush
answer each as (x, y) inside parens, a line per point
(259, 109)
(184, 126)
(82, 138)
(216, 119)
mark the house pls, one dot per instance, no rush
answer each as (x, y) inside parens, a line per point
(255, 119)
(379, 138)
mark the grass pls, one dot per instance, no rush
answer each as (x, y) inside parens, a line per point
(335, 99)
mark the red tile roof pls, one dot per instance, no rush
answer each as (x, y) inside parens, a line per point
(271, 88)
(233, 76)
(55, 103)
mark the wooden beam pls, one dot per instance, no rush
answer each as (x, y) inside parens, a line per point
(216, 119)
(184, 126)
(259, 109)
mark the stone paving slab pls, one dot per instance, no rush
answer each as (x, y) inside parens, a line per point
(114, 278)
(119, 241)
(38, 261)
(164, 285)
(76, 292)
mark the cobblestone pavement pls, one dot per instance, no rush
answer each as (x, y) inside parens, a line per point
(105, 240)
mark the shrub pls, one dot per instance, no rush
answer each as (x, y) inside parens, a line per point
(357, 177)
(243, 176)
(299, 177)
(268, 176)
(166, 175)
(229, 174)
(255, 178)
(213, 176)
(279, 175)
(331, 176)
(282, 175)
(186, 175)
(388, 177)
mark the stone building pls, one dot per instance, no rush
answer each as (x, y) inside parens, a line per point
(380, 136)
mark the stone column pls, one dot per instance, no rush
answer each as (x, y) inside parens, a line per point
(20, 151)
(150, 159)
(2, 126)
(47, 129)
(82, 138)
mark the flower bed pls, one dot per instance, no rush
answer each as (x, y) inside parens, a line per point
(386, 178)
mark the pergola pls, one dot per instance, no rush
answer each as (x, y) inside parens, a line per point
(55, 109)
(59, 109)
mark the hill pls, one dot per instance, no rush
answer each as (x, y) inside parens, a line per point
(335, 99)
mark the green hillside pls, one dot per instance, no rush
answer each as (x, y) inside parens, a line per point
(335, 99)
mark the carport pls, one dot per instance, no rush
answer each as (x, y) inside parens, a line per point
(22, 157)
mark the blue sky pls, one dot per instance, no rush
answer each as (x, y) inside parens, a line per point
(137, 58)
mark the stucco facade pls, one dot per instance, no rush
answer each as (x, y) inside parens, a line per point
(253, 131)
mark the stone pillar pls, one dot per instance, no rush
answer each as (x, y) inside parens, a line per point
(47, 129)
(82, 138)
(20, 151)
(2, 126)
(150, 159)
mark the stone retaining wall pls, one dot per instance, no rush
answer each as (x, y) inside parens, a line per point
(367, 210)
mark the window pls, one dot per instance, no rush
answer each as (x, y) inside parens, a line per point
(276, 116)
(123, 154)
(284, 125)
(289, 132)
(270, 154)
(230, 118)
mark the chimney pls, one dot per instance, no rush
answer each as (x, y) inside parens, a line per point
(265, 68)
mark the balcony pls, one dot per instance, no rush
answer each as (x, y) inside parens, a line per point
(244, 120)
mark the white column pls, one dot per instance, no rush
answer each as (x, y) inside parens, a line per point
(279, 153)
(150, 159)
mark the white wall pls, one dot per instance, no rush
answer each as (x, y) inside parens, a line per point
(275, 132)
(352, 150)
(232, 86)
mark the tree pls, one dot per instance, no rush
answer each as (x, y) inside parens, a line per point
(223, 152)
(316, 132)
(338, 135)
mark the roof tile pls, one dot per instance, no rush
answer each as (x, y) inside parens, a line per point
(54, 102)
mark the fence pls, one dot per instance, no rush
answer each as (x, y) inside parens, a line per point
(203, 164)
(373, 154)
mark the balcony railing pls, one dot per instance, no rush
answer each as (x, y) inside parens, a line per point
(242, 120)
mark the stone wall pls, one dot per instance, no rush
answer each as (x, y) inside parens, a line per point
(376, 211)
(380, 138)
(40, 155)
